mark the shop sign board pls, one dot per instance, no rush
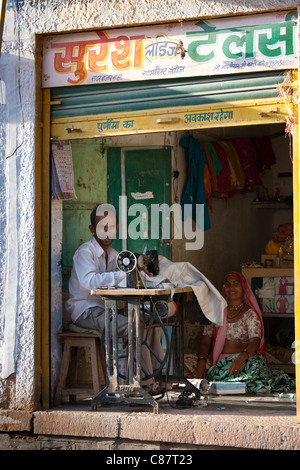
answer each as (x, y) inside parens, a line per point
(242, 113)
(186, 49)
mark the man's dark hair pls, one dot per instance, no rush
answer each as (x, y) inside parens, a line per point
(94, 213)
(93, 216)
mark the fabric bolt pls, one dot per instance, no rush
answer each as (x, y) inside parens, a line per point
(194, 192)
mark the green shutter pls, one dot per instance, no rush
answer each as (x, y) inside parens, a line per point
(145, 95)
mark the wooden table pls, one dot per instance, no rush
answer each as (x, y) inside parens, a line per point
(129, 292)
(120, 389)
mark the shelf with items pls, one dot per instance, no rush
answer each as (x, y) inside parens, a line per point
(251, 273)
(277, 315)
(281, 292)
(273, 321)
(273, 204)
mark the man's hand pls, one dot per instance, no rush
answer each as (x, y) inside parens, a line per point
(144, 269)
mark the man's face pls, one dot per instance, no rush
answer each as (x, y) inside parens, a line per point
(105, 229)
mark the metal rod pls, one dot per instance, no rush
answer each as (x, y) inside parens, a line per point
(136, 309)
(107, 337)
(130, 343)
(123, 207)
(114, 338)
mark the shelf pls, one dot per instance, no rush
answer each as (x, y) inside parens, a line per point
(273, 204)
(251, 273)
(278, 315)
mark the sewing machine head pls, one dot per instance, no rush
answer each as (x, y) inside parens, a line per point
(132, 263)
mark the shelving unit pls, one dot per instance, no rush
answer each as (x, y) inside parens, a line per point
(252, 273)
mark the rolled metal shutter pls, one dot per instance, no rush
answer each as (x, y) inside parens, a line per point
(146, 95)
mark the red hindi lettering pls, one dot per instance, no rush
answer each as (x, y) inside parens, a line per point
(96, 58)
(65, 61)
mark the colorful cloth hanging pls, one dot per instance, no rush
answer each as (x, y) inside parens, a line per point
(247, 155)
(207, 186)
(194, 192)
(214, 164)
(220, 169)
(237, 174)
(225, 188)
(264, 152)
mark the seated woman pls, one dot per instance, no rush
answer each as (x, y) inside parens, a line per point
(238, 346)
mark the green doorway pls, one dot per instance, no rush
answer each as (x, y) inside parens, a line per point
(143, 175)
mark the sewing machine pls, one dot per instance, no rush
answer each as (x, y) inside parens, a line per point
(146, 308)
(132, 263)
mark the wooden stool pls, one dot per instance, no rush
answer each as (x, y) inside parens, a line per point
(79, 340)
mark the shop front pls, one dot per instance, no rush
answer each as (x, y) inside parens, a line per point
(121, 108)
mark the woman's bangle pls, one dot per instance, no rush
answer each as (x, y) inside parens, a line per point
(201, 357)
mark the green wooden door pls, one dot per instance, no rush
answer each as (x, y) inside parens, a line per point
(90, 181)
(144, 176)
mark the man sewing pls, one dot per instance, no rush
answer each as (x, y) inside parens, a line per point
(94, 266)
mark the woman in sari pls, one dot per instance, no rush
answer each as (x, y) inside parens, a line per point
(238, 346)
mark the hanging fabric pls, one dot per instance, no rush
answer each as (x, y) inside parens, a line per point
(248, 159)
(264, 151)
(194, 192)
(237, 174)
(225, 188)
(214, 164)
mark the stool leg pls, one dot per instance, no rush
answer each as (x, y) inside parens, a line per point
(73, 371)
(95, 367)
(63, 373)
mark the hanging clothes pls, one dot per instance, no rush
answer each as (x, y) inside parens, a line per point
(207, 186)
(264, 151)
(225, 188)
(237, 174)
(247, 155)
(217, 165)
(214, 164)
(194, 192)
